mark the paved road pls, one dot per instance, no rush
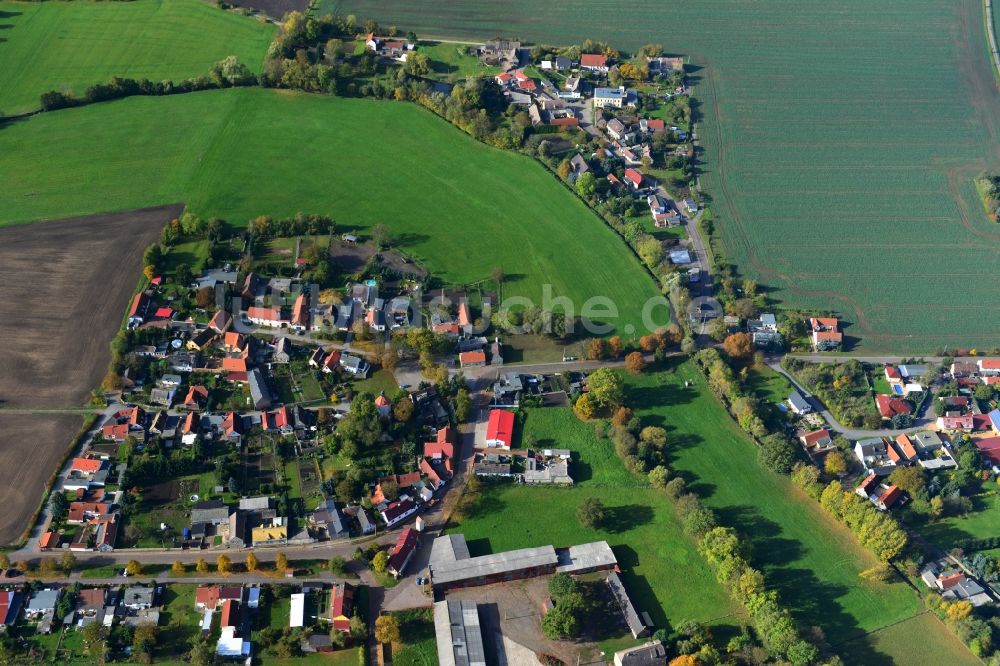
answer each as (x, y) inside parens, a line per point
(886, 358)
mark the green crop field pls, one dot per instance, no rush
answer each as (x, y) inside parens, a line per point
(662, 569)
(922, 639)
(840, 141)
(454, 204)
(812, 560)
(68, 46)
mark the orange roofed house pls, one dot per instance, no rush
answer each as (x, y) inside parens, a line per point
(825, 333)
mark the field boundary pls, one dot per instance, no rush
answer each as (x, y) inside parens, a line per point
(991, 37)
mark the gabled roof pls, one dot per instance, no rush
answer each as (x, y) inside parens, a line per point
(906, 447)
(405, 544)
(593, 60)
(86, 465)
(811, 438)
(634, 177)
(500, 427)
(891, 495)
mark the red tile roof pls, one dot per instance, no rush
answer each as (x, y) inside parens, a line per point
(405, 544)
(196, 395)
(220, 321)
(593, 60)
(890, 496)
(567, 121)
(341, 606)
(892, 373)
(230, 364)
(634, 177)
(234, 340)
(469, 357)
(164, 313)
(230, 613)
(139, 305)
(905, 447)
(820, 323)
(500, 427)
(464, 318)
(86, 465)
(889, 406)
(655, 124)
(300, 311)
(989, 448)
(989, 363)
(442, 446)
(870, 482)
(264, 314)
(207, 596)
(48, 540)
(811, 438)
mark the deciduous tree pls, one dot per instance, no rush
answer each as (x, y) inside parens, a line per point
(386, 629)
(635, 363)
(590, 513)
(739, 348)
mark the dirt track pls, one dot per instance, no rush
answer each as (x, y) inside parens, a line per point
(64, 288)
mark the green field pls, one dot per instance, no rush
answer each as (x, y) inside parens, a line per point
(68, 46)
(663, 572)
(983, 522)
(458, 206)
(839, 138)
(919, 640)
(812, 561)
(450, 62)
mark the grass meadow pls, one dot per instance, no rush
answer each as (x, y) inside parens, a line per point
(455, 205)
(663, 571)
(839, 143)
(812, 561)
(982, 523)
(68, 46)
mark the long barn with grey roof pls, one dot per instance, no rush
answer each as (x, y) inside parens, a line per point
(451, 566)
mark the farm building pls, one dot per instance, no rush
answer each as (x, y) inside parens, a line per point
(500, 429)
(458, 634)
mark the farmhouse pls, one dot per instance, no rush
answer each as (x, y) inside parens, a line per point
(594, 62)
(266, 317)
(763, 331)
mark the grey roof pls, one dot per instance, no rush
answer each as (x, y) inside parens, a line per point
(632, 619)
(473, 568)
(449, 548)
(139, 596)
(586, 557)
(798, 402)
(926, 439)
(459, 634)
(42, 600)
(911, 371)
(364, 521)
(259, 393)
(256, 503)
(609, 92)
(647, 654)
(215, 512)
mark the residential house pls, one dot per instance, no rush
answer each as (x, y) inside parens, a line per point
(282, 351)
(261, 316)
(579, 164)
(989, 366)
(616, 129)
(956, 423)
(889, 406)
(908, 453)
(332, 361)
(210, 512)
(764, 331)
(196, 398)
(341, 606)
(868, 485)
(500, 429)
(139, 598)
(817, 441)
(260, 394)
(402, 552)
(42, 601)
(398, 511)
(652, 653)
(10, 607)
(472, 359)
(887, 498)
(964, 369)
(328, 520)
(873, 454)
(798, 404)
(652, 126)
(609, 97)
(137, 310)
(690, 205)
(500, 52)
(355, 365)
(825, 332)
(317, 357)
(634, 178)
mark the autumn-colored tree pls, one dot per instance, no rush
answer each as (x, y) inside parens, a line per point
(223, 564)
(386, 629)
(622, 416)
(201, 566)
(584, 407)
(380, 562)
(47, 567)
(133, 568)
(597, 349)
(251, 562)
(615, 346)
(908, 479)
(281, 563)
(835, 464)
(649, 343)
(684, 660)
(178, 568)
(739, 348)
(205, 297)
(389, 359)
(635, 363)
